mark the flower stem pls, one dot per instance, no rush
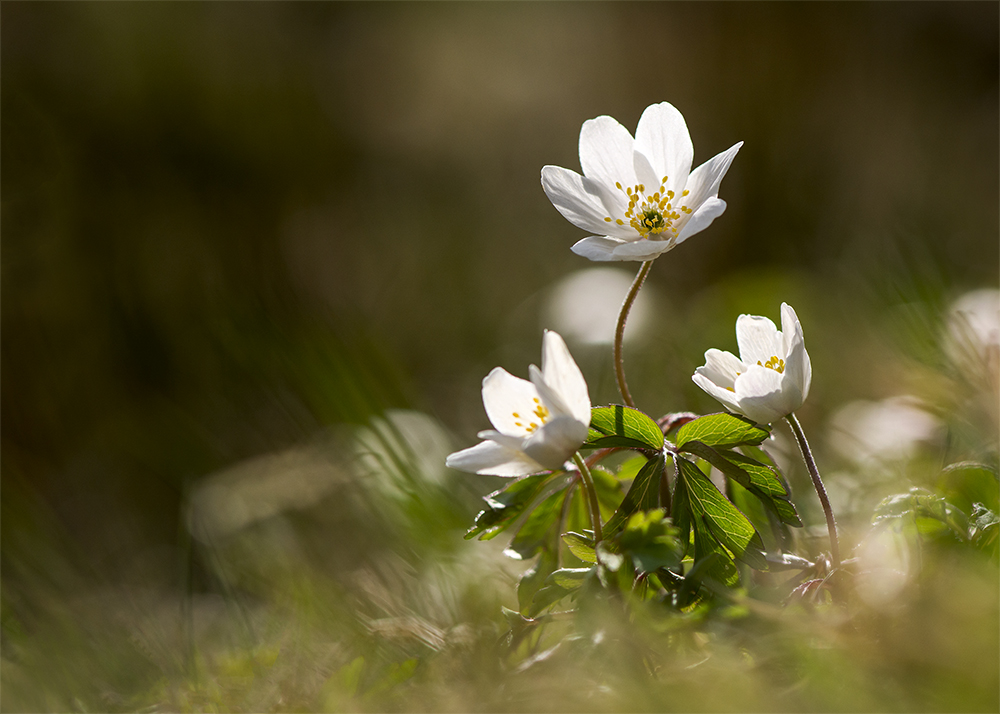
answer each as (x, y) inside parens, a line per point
(807, 456)
(620, 332)
(588, 486)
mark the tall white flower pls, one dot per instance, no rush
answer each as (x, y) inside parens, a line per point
(538, 424)
(770, 379)
(639, 196)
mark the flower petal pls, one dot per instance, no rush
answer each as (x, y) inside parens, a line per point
(758, 339)
(562, 374)
(662, 137)
(644, 249)
(798, 368)
(556, 441)
(505, 395)
(704, 180)
(727, 397)
(579, 201)
(722, 368)
(489, 457)
(599, 248)
(606, 152)
(758, 391)
(711, 209)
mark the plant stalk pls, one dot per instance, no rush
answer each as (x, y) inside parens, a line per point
(807, 456)
(620, 332)
(588, 486)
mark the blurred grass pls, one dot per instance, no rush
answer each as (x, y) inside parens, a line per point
(236, 231)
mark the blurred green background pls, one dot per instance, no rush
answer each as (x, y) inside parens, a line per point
(234, 234)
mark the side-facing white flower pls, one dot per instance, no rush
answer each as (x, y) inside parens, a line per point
(771, 377)
(539, 424)
(639, 196)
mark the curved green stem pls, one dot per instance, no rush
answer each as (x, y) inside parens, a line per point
(807, 456)
(588, 486)
(620, 332)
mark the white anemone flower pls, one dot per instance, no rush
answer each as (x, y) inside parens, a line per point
(539, 425)
(639, 196)
(770, 379)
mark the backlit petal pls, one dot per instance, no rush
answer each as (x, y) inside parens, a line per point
(599, 248)
(556, 442)
(642, 249)
(759, 394)
(489, 457)
(606, 152)
(722, 368)
(662, 137)
(505, 395)
(722, 394)
(711, 209)
(704, 180)
(758, 339)
(579, 201)
(560, 371)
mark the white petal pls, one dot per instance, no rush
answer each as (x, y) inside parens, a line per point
(704, 180)
(711, 209)
(725, 396)
(579, 201)
(758, 339)
(662, 137)
(505, 395)
(556, 441)
(551, 399)
(599, 248)
(560, 371)
(722, 368)
(758, 391)
(798, 368)
(606, 152)
(643, 249)
(489, 457)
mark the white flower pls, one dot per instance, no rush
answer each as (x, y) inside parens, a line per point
(771, 377)
(638, 195)
(539, 424)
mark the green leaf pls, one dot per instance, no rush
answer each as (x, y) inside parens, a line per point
(558, 585)
(681, 513)
(726, 523)
(643, 495)
(537, 527)
(714, 559)
(920, 503)
(722, 429)
(535, 578)
(752, 475)
(505, 505)
(985, 529)
(581, 546)
(650, 540)
(618, 426)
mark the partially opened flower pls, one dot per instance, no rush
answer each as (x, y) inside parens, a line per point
(539, 425)
(638, 196)
(770, 379)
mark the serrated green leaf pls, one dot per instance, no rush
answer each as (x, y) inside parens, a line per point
(724, 520)
(752, 475)
(538, 527)
(711, 558)
(681, 514)
(569, 578)
(618, 426)
(725, 430)
(505, 505)
(650, 540)
(559, 584)
(643, 494)
(581, 546)
(920, 503)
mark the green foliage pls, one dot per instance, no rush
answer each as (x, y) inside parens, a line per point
(642, 495)
(505, 505)
(618, 426)
(721, 430)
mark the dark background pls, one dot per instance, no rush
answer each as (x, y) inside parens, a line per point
(227, 226)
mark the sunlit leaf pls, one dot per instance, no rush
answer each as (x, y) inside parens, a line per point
(538, 527)
(643, 494)
(505, 505)
(618, 426)
(581, 546)
(725, 430)
(723, 519)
